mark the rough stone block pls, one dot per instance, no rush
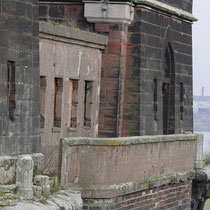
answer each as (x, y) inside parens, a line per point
(24, 176)
(43, 182)
(37, 191)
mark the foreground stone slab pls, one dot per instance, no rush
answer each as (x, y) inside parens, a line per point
(65, 200)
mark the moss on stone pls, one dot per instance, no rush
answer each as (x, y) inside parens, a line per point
(7, 164)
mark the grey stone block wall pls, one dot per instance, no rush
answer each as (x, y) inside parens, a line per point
(182, 4)
(19, 43)
(149, 35)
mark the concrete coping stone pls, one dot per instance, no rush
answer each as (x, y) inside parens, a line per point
(124, 141)
(167, 8)
(60, 30)
(111, 191)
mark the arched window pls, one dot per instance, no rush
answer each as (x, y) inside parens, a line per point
(168, 91)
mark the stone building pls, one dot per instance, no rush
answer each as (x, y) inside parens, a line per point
(146, 75)
(137, 55)
(146, 68)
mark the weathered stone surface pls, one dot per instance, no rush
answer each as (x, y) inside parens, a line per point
(72, 35)
(76, 56)
(199, 162)
(8, 166)
(43, 182)
(20, 133)
(109, 13)
(162, 197)
(24, 176)
(134, 160)
(37, 191)
(65, 200)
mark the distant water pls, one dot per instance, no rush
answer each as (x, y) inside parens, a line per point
(206, 143)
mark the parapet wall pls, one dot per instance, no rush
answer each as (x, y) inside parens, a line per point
(106, 168)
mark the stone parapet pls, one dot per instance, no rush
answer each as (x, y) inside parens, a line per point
(110, 167)
(125, 141)
(60, 32)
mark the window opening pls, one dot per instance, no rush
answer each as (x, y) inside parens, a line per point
(42, 100)
(73, 102)
(155, 99)
(181, 100)
(58, 92)
(168, 91)
(88, 103)
(11, 89)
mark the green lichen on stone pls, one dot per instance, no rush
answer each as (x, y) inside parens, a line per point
(7, 164)
(35, 170)
(9, 182)
(54, 188)
(171, 177)
(84, 188)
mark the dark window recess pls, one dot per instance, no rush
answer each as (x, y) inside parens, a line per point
(167, 64)
(42, 100)
(73, 102)
(58, 91)
(11, 89)
(155, 101)
(168, 91)
(88, 103)
(181, 100)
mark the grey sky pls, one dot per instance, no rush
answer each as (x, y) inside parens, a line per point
(201, 47)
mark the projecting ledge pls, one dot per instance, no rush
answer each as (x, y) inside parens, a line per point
(109, 12)
(62, 33)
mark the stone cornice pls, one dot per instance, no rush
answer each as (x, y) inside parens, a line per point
(166, 8)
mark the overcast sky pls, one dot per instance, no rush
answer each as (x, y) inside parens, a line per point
(201, 47)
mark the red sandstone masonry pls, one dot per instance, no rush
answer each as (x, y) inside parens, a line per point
(112, 82)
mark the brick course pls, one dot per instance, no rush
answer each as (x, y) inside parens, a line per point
(171, 197)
